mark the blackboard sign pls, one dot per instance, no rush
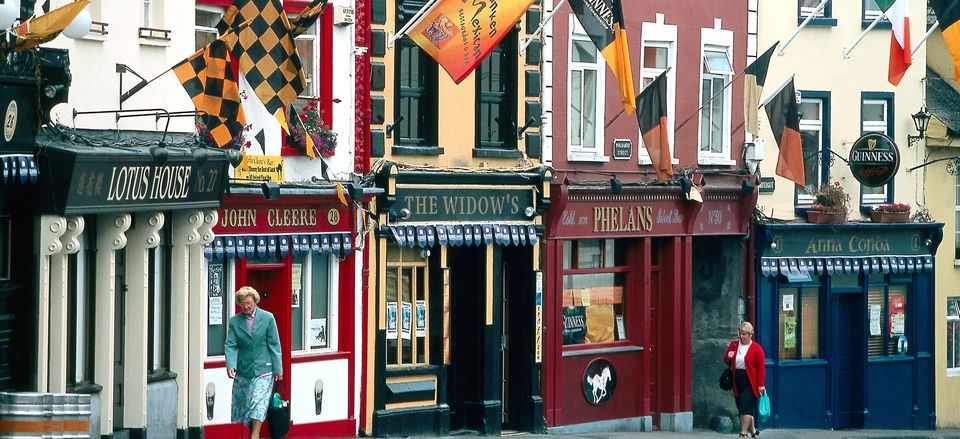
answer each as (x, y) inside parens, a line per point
(622, 149)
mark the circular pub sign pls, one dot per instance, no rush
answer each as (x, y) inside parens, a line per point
(874, 159)
(599, 381)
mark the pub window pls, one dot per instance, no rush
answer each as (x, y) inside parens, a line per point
(307, 48)
(953, 336)
(716, 99)
(313, 308)
(871, 11)
(406, 307)
(814, 126)
(823, 18)
(417, 96)
(657, 55)
(887, 333)
(594, 278)
(219, 299)
(497, 97)
(876, 115)
(207, 18)
(585, 97)
(799, 322)
(159, 305)
(153, 14)
(81, 274)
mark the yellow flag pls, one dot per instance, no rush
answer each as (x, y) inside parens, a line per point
(46, 27)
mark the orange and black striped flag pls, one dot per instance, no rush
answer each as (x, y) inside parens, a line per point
(754, 76)
(307, 17)
(263, 45)
(652, 116)
(784, 120)
(209, 80)
(948, 13)
(603, 22)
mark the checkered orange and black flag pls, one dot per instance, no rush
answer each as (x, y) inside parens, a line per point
(265, 51)
(307, 17)
(209, 80)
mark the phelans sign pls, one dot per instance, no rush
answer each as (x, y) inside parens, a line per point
(874, 159)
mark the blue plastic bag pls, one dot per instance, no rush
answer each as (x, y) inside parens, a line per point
(763, 407)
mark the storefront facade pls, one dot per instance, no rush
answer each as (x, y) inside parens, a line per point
(842, 312)
(297, 250)
(623, 270)
(456, 303)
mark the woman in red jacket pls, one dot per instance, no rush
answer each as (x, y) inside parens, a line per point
(745, 358)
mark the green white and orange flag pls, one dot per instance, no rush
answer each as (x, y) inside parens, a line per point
(781, 108)
(652, 117)
(460, 34)
(603, 22)
(898, 12)
(948, 14)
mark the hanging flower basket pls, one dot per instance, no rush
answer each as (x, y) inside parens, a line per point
(311, 124)
(890, 213)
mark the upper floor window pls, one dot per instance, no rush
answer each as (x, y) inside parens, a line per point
(416, 99)
(307, 49)
(497, 97)
(585, 96)
(876, 114)
(207, 18)
(153, 14)
(716, 98)
(871, 11)
(823, 18)
(812, 127)
(657, 55)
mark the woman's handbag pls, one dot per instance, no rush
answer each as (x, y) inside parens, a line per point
(278, 416)
(726, 379)
(763, 406)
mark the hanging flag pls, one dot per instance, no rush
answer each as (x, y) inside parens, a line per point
(754, 76)
(208, 78)
(898, 12)
(603, 22)
(265, 51)
(652, 116)
(948, 13)
(458, 35)
(308, 16)
(46, 27)
(259, 120)
(784, 120)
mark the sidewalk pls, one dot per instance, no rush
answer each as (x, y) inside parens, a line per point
(765, 434)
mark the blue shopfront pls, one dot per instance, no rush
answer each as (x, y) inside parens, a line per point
(844, 313)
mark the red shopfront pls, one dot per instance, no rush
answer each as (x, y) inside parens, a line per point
(619, 299)
(298, 252)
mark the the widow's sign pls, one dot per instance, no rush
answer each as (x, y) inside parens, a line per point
(874, 159)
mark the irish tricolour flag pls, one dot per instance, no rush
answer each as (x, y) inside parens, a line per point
(898, 12)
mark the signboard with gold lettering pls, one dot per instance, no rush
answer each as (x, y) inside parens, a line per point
(857, 242)
(249, 218)
(625, 216)
(261, 167)
(427, 203)
(81, 180)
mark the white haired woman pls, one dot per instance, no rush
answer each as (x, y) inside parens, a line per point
(746, 359)
(253, 355)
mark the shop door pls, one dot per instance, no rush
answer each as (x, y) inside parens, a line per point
(848, 361)
(520, 380)
(467, 320)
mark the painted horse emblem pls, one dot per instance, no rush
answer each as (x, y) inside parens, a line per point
(599, 384)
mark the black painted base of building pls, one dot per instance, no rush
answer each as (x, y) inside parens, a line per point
(415, 421)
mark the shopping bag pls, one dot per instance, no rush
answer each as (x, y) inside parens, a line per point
(763, 406)
(278, 417)
(726, 379)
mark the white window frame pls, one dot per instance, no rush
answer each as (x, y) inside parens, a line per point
(658, 34)
(312, 34)
(875, 127)
(206, 29)
(871, 11)
(807, 125)
(152, 16)
(954, 320)
(717, 40)
(306, 303)
(805, 11)
(579, 153)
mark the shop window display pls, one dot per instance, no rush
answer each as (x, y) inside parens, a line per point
(593, 291)
(800, 323)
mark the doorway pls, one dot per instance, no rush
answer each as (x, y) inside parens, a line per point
(848, 361)
(467, 321)
(520, 379)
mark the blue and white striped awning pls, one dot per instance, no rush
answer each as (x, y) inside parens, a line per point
(799, 268)
(19, 168)
(270, 246)
(456, 235)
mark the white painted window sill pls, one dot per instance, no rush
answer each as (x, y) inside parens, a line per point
(956, 263)
(154, 42)
(711, 161)
(586, 157)
(646, 161)
(97, 38)
(955, 372)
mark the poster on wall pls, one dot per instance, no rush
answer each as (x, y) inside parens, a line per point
(296, 274)
(215, 291)
(406, 320)
(897, 316)
(789, 332)
(295, 299)
(421, 318)
(875, 320)
(574, 324)
(787, 302)
(318, 333)
(621, 330)
(391, 320)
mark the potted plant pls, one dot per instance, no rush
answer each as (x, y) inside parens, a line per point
(311, 124)
(890, 213)
(831, 205)
(238, 142)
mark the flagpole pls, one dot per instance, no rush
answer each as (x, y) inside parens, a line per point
(806, 21)
(677, 129)
(533, 36)
(924, 39)
(413, 22)
(848, 50)
(775, 93)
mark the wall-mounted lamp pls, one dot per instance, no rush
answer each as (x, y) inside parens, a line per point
(392, 127)
(920, 121)
(160, 154)
(401, 214)
(200, 155)
(615, 185)
(271, 190)
(234, 157)
(529, 123)
(529, 211)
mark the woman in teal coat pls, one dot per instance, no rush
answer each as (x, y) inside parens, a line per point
(253, 355)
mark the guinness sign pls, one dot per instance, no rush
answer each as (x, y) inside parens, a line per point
(874, 159)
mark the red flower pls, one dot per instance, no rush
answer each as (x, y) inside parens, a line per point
(303, 117)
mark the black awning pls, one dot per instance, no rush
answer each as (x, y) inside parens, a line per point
(127, 176)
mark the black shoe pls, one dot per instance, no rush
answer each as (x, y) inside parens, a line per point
(755, 433)
(742, 435)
